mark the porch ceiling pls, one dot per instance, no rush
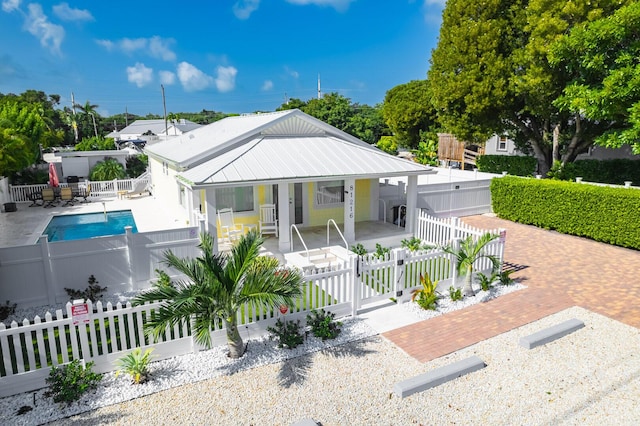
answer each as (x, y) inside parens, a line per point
(298, 158)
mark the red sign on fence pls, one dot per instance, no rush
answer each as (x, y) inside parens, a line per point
(80, 314)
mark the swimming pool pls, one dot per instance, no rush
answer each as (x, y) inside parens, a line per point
(89, 225)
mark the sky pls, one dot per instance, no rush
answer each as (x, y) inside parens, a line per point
(232, 56)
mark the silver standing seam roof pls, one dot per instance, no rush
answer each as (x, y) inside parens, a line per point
(281, 146)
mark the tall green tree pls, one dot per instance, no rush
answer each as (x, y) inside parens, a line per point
(407, 110)
(490, 73)
(603, 60)
(88, 119)
(218, 285)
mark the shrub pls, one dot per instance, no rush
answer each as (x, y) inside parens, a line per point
(514, 165)
(6, 310)
(455, 293)
(486, 282)
(323, 324)
(505, 278)
(288, 333)
(135, 364)
(359, 249)
(93, 291)
(427, 296)
(381, 252)
(414, 244)
(69, 382)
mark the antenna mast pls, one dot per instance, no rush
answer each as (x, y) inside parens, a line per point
(319, 92)
(164, 105)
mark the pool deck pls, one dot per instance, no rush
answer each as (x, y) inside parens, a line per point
(24, 226)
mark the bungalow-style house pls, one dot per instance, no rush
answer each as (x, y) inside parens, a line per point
(154, 130)
(310, 170)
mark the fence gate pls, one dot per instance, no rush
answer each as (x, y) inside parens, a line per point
(376, 278)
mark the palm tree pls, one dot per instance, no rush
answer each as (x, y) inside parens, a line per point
(469, 251)
(173, 118)
(218, 285)
(89, 115)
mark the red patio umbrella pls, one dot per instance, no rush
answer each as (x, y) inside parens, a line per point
(53, 175)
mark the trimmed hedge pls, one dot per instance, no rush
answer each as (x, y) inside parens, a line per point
(604, 171)
(601, 213)
(514, 165)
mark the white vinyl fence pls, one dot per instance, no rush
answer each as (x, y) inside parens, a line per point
(29, 349)
(37, 275)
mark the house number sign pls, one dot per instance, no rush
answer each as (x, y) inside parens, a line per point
(351, 202)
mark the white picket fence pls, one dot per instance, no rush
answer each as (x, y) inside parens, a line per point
(29, 349)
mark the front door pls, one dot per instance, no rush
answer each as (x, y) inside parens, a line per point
(295, 203)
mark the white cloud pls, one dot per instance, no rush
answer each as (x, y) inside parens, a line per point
(139, 75)
(339, 5)
(437, 2)
(167, 77)
(66, 13)
(292, 73)
(244, 8)
(192, 79)
(37, 23)
(156, 46)
(159, 48)
(226, 80)
(267, 85)
(10, 5)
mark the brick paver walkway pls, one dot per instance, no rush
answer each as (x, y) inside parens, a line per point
(560, 271)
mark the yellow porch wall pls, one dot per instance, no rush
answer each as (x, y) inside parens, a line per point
(249, 218)
(320, 216)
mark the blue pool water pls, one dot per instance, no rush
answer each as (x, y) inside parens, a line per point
(89, 225)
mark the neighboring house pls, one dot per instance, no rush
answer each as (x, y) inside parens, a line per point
(312, 171)
(154, 130)
(502, 145)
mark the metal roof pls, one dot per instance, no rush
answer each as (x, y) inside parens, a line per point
(277, 158)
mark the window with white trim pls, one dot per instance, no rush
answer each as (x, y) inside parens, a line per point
(240, 198)
(502, 143)
(329, 192)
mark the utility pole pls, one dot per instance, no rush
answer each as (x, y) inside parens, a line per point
(319, 92)
(126, 117)
(73, 119)
(164, 105)
(286, 99)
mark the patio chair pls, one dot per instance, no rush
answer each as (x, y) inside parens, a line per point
(268, 222)
(139, 188)
(229, 229)
(66, 195)
(35, 198)
(48, 197)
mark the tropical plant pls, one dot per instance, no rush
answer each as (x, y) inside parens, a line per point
(109, 169)
(427, 296)
(505, 277)
(288, 333)
(414, 244)
(6, 310)
(455, 293)
(467, 253)
(359, 249)
(137, 165)
(381, 252)
(135, 364)
(323, 324)
(486, 282)
(427, 151)
(93, 291)
(218, 285)
(68, 382)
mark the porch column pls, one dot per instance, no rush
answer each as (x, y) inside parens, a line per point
(212, 218)
(196, 206)
(412, 204)
(284, 241)
(350, 210)
(189, 206)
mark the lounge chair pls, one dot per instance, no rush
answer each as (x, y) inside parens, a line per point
(36, 199)
(48, 197)
(268, 223)
(229, 229)
(139, 188)
(66, 195)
